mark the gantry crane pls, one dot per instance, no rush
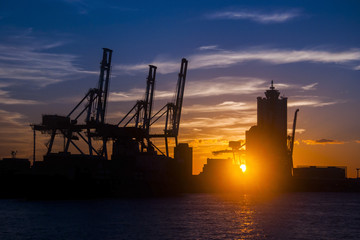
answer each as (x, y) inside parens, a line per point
(143, 110)
(95, 108)
(141, 113)
(123, 135)
(172, 110)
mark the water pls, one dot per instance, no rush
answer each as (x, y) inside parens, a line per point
(195, 216)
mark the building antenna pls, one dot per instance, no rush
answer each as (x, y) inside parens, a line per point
(272, 85)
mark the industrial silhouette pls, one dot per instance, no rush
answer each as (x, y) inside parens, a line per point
(269, 158)
(137, 166)
(134, 167)
(268, 153)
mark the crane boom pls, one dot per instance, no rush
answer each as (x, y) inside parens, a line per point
(103, 85)
(292, 140)
(179, 96)
(293, 133)
(149, 97)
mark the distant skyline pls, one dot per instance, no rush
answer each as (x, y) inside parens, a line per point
(50, 53)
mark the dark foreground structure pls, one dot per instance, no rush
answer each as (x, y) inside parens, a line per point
(269, 159)
(137, 167)
(84, 168)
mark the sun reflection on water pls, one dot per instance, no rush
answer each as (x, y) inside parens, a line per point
(244, 217)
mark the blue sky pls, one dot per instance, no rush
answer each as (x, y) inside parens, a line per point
(50, 53)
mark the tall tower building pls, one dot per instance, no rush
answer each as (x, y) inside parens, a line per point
(266, 143)
(184, 155)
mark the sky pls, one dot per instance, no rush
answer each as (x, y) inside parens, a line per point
(50, 53)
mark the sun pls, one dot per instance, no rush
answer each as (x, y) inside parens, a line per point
(243, 167)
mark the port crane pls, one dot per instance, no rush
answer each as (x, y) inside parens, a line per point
(172, 110)
(123, 134)
(95, 108)
(291, 140)
(236, 149)
(141, 112)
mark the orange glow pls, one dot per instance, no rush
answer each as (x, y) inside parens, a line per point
(243, 167)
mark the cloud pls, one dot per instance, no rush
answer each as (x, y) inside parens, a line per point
(14, 101)
(137, 94)
(209, 47)
(6, 99)
(310, 87)
(26, 59)
(31, 64)
(226, 106)
(225, 58)
(357, 141)
(226, 85)
(11, 118)
(220, 122)
(322, 142)
(310, 103)
(257, 16)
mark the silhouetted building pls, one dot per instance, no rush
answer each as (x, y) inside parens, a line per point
(317, 172)
(220, 175)
(13, 176)
(267, 153)
(183, 154)
(11, 166)
(218, 167)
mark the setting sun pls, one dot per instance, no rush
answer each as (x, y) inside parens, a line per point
(243, 167)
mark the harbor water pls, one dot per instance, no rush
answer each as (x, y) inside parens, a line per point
(192, 216)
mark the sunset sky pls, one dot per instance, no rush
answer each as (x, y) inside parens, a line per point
(50, 53)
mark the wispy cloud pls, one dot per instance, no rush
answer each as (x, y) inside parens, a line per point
(7, 99)
(257, 16)
(222, 107)
(28, 60)
(224, 59)
(137, 94)
(208, 47)
(311, 101)
(11, 118)
(30, 64)
(206, 122)
(13, 101)
(322, 142)
(220, 127)
(226, 85)
(310, 87)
